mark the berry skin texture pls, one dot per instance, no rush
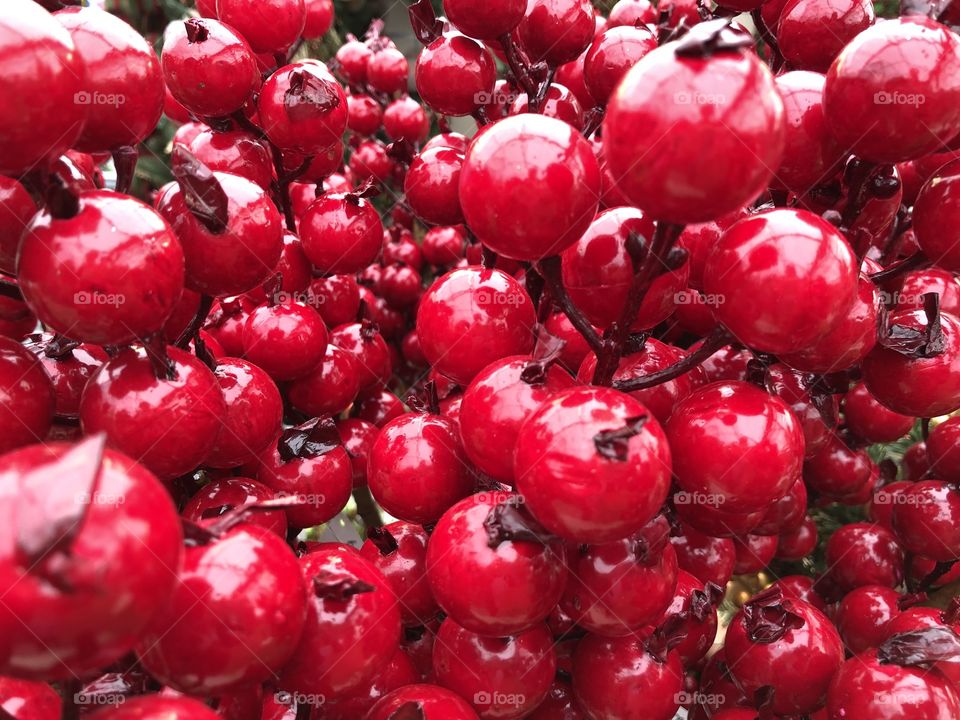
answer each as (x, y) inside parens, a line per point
(863, 615)
(341, 234)
(253, 414)
(505, 677)
(234, 152)
(466, 574)
(559, 177)
(432, 186)
(872, 98)
(919, 387)
(597, 271)
(866, 689)
(611, 56)
(454, 74)
(329, 388)
(472, 316)
(112, 589)
(416, 469)
(244, 254)
(943, 450)
(578, 486)
(29, 400)
(26, 700)
(303, 109)
(936, 212)
(157, 707)
(485, 21)
(870, 420)
(810, 151)
(111, 274)
(734, 424)
(664, 169)
(811, 33)
(33, 44)
(370, 351)
(926, 519)
(168, 425)
(619, 679)
(863, 554)
(270, 26)
(219, 496)
(234, 617)
(494, 407)
(815, 647)
(434, 702)
(347, 638)
(617, 588)
(122, 80)
(786, 277)
(207, 67)
(16, 210)
(557, 31)
(287, 340)
(402, 557)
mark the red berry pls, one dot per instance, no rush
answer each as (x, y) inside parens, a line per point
(220, 496)
(675, 96)
(432, 186)
(611, 55)
(893, 93)
(556, 31)
(270, 26)
(109, 274)
(302, 108)
(560, 177)
(341, 233)
(431, 701)
(811, 33)
(485, 21)
(592, 464)
(208, 68)
(416, 469)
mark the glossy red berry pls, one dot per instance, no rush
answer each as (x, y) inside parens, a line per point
(240, 256)
(352, 628)
(432, 186)
(934, 211)
(784, 263)
(496, 403)
(925, 520)
(485, 21)
(33, 44)
(253, 414)
(330, 387)
(353, 57)
(695, 602)
(864, 554)
(560, 177)
(111, 273)
(865, 688)
(558, 102)
(364, 114)
(56, 576)
(592, 464)
(387, 70)
(556, 31)
(431, 701)
(471, 317)
(234, 617)
(30, 399)
(208, 67)
(920, 385)
(169, 423)
(341, 233)
(501, 677)
(611, 55)
(598, 272)
(405, 119)
(27, 700)
(678, 95)
(870, 420)
(364, 341)
(302, 108)
(319, 19)
(811, 33)
(271, 26)
(619, 677)
(771, 635)
(399, 551)
(16, 210)
(122, 82)
(286, 340)
(727, 424)
(863, 614)
(810, 151)
(158, 707)
(709, 559)
(235, 152)
(416, 469)
(618, 588)
(472, 552)
(893, 93)
(838, 471)
(221, 496)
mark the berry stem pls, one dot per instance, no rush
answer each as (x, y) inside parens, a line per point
(191, 330)
(776, 58)
(125, 161)
(914, 262)
(549, 269)
(366, 508)
(650, 260)
(520, 67)
(283, 189)
(713, 342)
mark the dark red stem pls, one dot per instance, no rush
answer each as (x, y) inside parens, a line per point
(713, 342)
